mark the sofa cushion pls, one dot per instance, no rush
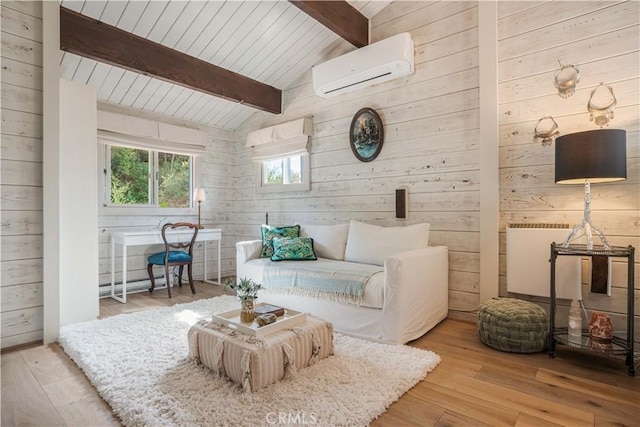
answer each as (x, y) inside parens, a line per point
(269, 232)
(371, 244)
(329, 241)
(293, 249)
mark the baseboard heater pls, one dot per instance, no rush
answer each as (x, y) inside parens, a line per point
(104, 289)
(528, 267)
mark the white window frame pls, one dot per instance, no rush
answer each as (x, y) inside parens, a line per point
(305, 175)
(104, 193)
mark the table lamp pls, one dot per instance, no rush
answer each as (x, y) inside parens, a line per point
(199, 197)
(590, 157)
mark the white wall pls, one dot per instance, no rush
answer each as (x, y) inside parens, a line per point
(21, 176)
(602, 38)
(77, 208)
(431, 146)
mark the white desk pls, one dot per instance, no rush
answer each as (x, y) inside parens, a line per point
(149, 237)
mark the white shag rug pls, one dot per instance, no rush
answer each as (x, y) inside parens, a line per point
(139, 364)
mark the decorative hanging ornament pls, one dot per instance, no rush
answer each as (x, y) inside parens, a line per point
(601, 105)
(567, 79)
(546, 129)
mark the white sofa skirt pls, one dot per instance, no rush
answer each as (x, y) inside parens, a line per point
(361, 322)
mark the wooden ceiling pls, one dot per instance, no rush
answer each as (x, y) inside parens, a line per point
(272, 42)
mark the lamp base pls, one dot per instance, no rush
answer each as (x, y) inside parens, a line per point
(199, 225)
(587, 229)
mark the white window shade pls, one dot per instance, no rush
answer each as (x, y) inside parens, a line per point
(283, 140)
(131, 141)
(136, 132)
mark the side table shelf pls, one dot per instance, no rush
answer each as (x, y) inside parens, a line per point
(559, 335)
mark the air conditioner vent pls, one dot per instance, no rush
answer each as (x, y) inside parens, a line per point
(379, 62)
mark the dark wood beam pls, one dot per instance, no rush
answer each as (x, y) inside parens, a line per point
(93, 39)
(340, 17)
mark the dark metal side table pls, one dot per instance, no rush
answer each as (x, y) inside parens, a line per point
(560, 335)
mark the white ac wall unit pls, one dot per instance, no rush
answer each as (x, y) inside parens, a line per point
(379, 62)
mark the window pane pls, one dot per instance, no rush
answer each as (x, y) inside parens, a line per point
(272, 170)
(129, 176)
(174, 179)
(295, 170)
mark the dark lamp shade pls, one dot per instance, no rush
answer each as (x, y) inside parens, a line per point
(595, 156)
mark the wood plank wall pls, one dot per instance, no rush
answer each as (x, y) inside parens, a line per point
(21, 185)
(602, 38)
(216, 177)
(431, 145)
(21, 175)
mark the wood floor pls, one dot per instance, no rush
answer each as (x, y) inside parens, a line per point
(473, 385)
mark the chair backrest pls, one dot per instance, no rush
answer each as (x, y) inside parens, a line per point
(183, 244)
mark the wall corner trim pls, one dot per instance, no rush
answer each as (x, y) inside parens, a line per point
(51, 170)
(489, 149)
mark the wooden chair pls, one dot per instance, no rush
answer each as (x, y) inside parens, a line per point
(175, 254)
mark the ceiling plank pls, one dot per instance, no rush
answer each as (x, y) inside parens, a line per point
(340, 17)
(93, 39)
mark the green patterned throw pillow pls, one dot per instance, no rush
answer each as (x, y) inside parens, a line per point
(293, 249)
(269, 232)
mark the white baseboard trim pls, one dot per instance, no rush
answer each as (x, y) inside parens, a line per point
(132, 287)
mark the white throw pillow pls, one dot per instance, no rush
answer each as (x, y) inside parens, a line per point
(329, 241)
(371, 244)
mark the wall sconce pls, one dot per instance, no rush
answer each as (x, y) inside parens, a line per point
(199, 197)
(402, 203)
(590, 157)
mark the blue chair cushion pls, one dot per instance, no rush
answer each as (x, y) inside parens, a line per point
(174, 256)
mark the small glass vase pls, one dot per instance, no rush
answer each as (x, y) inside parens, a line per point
(246, 310)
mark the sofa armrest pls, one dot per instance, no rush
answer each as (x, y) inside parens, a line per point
(247, 250)
(416, 292)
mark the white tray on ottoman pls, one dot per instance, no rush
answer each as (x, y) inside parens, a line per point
(255, 362)
(231, 319)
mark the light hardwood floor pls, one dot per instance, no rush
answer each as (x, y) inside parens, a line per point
(473, 385)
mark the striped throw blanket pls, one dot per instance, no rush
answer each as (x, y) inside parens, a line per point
(335, 280)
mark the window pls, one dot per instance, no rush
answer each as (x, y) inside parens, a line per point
(282, 171)
(281, 153)
(284, 174)
(147, 178)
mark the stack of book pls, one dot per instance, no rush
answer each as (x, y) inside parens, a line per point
(268, 308)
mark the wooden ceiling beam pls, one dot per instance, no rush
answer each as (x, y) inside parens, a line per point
(340, 17)
(93, 39)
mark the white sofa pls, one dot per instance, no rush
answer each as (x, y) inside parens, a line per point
(401, 302)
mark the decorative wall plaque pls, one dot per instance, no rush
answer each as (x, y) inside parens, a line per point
(567, 79)
(366, 135)
(546, 129)
(601, 104)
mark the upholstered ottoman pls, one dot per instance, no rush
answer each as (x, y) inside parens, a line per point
(514, 325)
(257, 362)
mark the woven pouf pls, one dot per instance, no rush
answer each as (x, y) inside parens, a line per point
(514, 325)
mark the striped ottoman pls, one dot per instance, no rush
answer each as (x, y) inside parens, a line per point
(257, 362)
(514, 325)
